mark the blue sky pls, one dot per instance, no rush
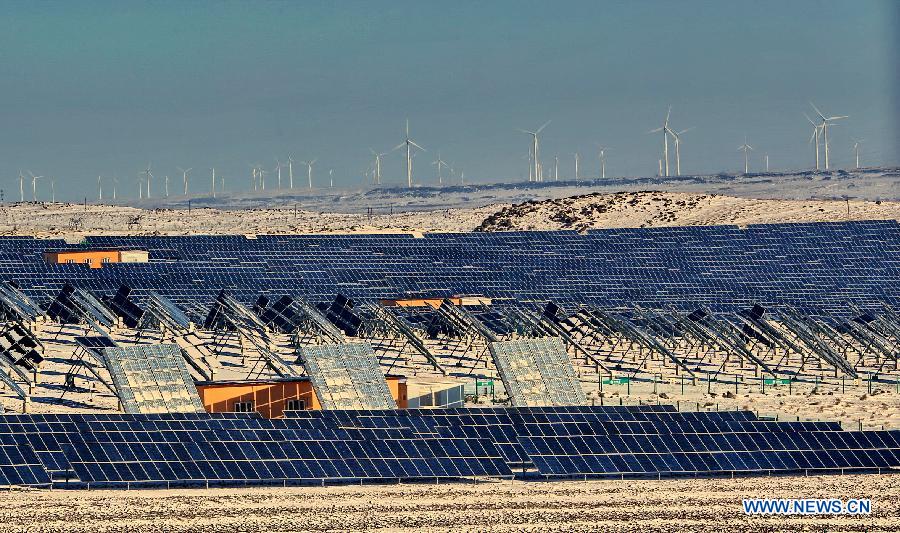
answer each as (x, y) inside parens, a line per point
(91, 88)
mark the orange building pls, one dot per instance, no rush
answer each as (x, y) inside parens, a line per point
(435, 302)
(271, 398)
(96, 258)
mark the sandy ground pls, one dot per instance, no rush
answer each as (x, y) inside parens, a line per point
(608, 505)
(642, 209)
(650, 209)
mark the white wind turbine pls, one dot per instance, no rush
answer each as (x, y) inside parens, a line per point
(184, 177)
(439, 163)
(331, 178)
(825, 121)
(814, 137)
(290, 166)
(115, 186)
(409, 144)
(21, 187)
(556, 168)
(535, 152)
(856, 144)
(376, 168)
(34, 185)
(677, 137)
(149, 176)
(213, 190)
(602, 155)
(100, 187)
(665, 131)
(53, 189)
(576, 165)
(278, 167)
(167, 185)
(746, 148)
(309, 165)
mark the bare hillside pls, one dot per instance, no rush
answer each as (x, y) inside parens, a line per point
(651, 209)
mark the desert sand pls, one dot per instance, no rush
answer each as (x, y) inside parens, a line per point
(607, 505)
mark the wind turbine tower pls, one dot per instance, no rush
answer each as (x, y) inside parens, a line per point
(409, 143)
(824, 125)
(439, 163)
(814, 137)
(576, 165)
(184, 177)
(535, 151)
(213, 190)
(665, 131)
(746, 148)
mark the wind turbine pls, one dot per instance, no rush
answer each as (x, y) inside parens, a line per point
(34, 185)
(309, 165)
(535, 151)
(21, 187)
(665, 131)
(746, 149)
(576, 165)
(825, 122)
(278, 167)
(184, 173)
(213, 181)
(115, 186)
(677, 137)
(149, 176)
(439, 163)
(331, 178)
(409, 144)
(602, 156)
(100, 187)
(167, 185)
(291, 171)
(376, 168)
(856, 144)
(556, 168)
(53, 190)
(814, 136)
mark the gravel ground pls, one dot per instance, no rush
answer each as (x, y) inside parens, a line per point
(644, 505)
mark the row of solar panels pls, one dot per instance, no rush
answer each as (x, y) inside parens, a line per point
(352, 446)
(809, 266)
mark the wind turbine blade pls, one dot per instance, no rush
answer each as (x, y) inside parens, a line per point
(417, 146)
(817, 110)
(685, 131)
(399, 146)
(542, 127)
(838, 117)
(810, 120)
(657, 130)
(668, 113)
(528, 132)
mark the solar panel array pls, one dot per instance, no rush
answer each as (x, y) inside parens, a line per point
(810, 266)
(152, 378)
(537, 372)
(347, 376)
(120, 450)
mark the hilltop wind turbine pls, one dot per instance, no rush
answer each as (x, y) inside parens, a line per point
(52, 190)
(556, 168)
(665, 131)
(331, 178)
(677, 137)
(309, 165)
(814, 137)
(535, 152)
(213, 191)
(34, 185)
(167, 185)
(100, 187)
(115, 186)
(440, 163)
(376, 168)
(856, 144)
(149, 175)
(278, 167)
(825, 121)
(21, 187)
(602, 155)
(184, 173)
(746, 148)
(576, 165)
(409, 144)
(290, 166)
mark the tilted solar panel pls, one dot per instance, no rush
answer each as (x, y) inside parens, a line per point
(347, 376)
(152, 379)
(537, 372)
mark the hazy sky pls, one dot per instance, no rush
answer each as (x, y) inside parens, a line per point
(91, 88)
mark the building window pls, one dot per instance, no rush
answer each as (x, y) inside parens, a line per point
(88, 260)
(243, 407)
(105, 260)
(295, 405)
(70, 261)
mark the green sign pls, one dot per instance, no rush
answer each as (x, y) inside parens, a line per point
(484, 383)
(616, 381)
(779, 381)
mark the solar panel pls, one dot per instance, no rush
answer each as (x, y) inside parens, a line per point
(537, 372)
(152, 379)
(347, 376)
